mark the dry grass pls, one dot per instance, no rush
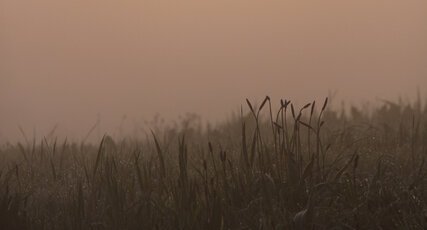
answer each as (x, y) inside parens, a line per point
(285, 168)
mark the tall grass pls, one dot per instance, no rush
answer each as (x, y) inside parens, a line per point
(268, 168)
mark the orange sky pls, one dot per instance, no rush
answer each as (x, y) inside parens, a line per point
(67, 62)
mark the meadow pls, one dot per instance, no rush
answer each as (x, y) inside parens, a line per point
(269, 167)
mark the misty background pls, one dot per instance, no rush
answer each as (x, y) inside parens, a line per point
(70, 63)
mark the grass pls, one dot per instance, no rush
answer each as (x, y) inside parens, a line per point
(268, 168)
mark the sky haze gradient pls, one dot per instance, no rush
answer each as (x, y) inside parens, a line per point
(71, 62)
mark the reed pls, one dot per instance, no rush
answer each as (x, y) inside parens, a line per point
(288, 167)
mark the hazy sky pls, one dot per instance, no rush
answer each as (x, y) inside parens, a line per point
(69, 62)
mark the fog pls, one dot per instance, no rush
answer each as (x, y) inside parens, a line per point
(72, 63)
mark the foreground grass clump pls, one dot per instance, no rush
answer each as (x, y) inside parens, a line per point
(306, 168)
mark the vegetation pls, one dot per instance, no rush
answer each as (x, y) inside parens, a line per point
(269, 168)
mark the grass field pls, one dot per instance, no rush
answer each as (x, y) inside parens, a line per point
(271, 167)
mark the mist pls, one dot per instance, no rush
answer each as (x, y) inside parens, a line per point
(72, 63)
